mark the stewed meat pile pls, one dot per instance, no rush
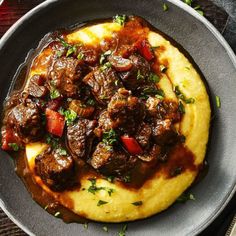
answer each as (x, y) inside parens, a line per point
(100, 105)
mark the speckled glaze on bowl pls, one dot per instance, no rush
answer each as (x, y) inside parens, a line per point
(214, 58)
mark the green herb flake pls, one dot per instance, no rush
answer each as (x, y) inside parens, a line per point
(110, 191)
(46, 207)
(120, 19)
(80, 56)
(165, 7)
(53, 142)
(187, 67)
(86, 225)
(197, 7)
(218, 102)
(57, 214)
(127, 179)
(54, 94)
(181, 108)
(163, 68)
(189, 2)
(111, 179)
(151, 91)
(154, 78)
(15, 147)
(106, 66)
(70, 115)
(200, 12)
(105, 228)
(104, 56)
(139, 75)
(61, 151)
(90, 102)
(71, 50)
(139, 203)
(101, 202)
(116, 82)
(59, 53)
(181, 96)
(123, 230)
(185, 197)
(63, 42)
(110, 137)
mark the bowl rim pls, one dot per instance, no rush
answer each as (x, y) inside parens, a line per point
(194, 14)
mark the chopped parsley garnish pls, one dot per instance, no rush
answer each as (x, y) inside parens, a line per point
(154, 78)
(165, 7)
(123, 230)
(93, 188)
(110, 137)
(106, 66)
(163, 68)
(54, 93)
(176, 171)
(139, 75)
(185, 197)
(181, 96)
(127, 179)
(181, 108)
(189, 2)
(63, 42)
(57, 214)
(151, 91)
(90, 102)
(71, 50)
(110, 179)
(218, 102)
(139, 203)
(59, 53)
(46, 207)
(104, 55)
(86, 225)
(15, 147)
(101, 202)
(53, 142)
(80, 56)
(120, 19)
(70, 115)
(61, 151)
(105, 228)
(187, 67)
(200, 12)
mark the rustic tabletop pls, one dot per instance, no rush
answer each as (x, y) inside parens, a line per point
(222, 16)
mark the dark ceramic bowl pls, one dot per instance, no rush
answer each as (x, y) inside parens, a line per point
(217, 63)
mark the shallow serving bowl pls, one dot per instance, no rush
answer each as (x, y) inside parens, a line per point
(214, 58)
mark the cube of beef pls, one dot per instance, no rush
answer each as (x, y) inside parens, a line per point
(111, 162)
(164, 132)
(138, 73)
(55, 170)
(126, 111)
(104, 83)
(64, 75)
(80, 137)
(26, 120)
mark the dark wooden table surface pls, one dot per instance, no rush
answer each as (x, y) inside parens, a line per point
(12, 10)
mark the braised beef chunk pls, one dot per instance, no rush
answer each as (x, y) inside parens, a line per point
(126, 111)
(138, 74)
(80, 137)
(36, 87)
(104, 83)
(143, 135)
(153, 153)
(161, 109)
(111, 162)
(64, 75)
(26, 121)
(104, 124)
(164, 132)
(55, 170)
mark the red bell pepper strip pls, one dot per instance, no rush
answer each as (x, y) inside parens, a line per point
(55, 122)
(145, 50)
(131, 145)
(8, 137)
